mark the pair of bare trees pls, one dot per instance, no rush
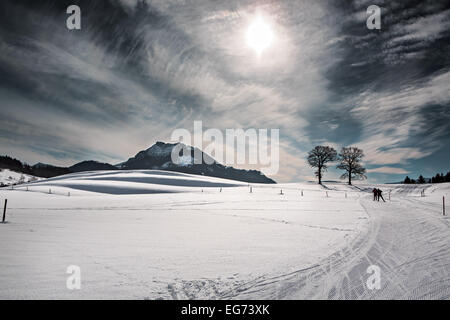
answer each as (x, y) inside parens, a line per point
(349, 160)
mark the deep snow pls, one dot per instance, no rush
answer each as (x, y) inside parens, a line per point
(164, 235)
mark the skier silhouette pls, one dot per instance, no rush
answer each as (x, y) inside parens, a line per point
(375, 193)
(379, 195)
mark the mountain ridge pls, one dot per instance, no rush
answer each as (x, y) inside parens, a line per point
(156, 157)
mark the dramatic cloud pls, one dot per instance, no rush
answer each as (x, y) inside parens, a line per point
(137, 70)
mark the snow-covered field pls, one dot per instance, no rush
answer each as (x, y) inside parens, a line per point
(164, 235)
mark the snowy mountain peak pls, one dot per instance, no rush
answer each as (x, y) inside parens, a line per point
(192, 160)
(160, 149)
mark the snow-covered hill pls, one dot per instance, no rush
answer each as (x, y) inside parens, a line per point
(149, 234)
(8, 177)
(130, 182)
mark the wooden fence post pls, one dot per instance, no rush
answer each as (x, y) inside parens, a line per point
(443, 205)
(4, 211)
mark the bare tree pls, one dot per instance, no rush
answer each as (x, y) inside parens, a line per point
(350, 160)
(319, 157)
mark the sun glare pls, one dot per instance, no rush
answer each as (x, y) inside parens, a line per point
(259, 35)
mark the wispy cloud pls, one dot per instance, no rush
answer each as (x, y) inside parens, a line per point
(137, 70)
(390, 170)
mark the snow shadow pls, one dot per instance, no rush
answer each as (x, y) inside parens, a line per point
(116, 190)
(166, 181)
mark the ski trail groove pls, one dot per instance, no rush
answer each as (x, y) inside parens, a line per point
(410, 245)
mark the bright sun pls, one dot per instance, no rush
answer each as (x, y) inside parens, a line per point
(259, 35)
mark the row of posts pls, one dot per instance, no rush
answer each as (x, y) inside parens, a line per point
(251, 191)
(422, 194)
(281, 192)
(68, 193)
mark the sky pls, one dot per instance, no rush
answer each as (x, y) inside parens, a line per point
(138, 70)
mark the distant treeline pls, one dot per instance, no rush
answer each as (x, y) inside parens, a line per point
(39, 170)
(438, 178)
(15, 165)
